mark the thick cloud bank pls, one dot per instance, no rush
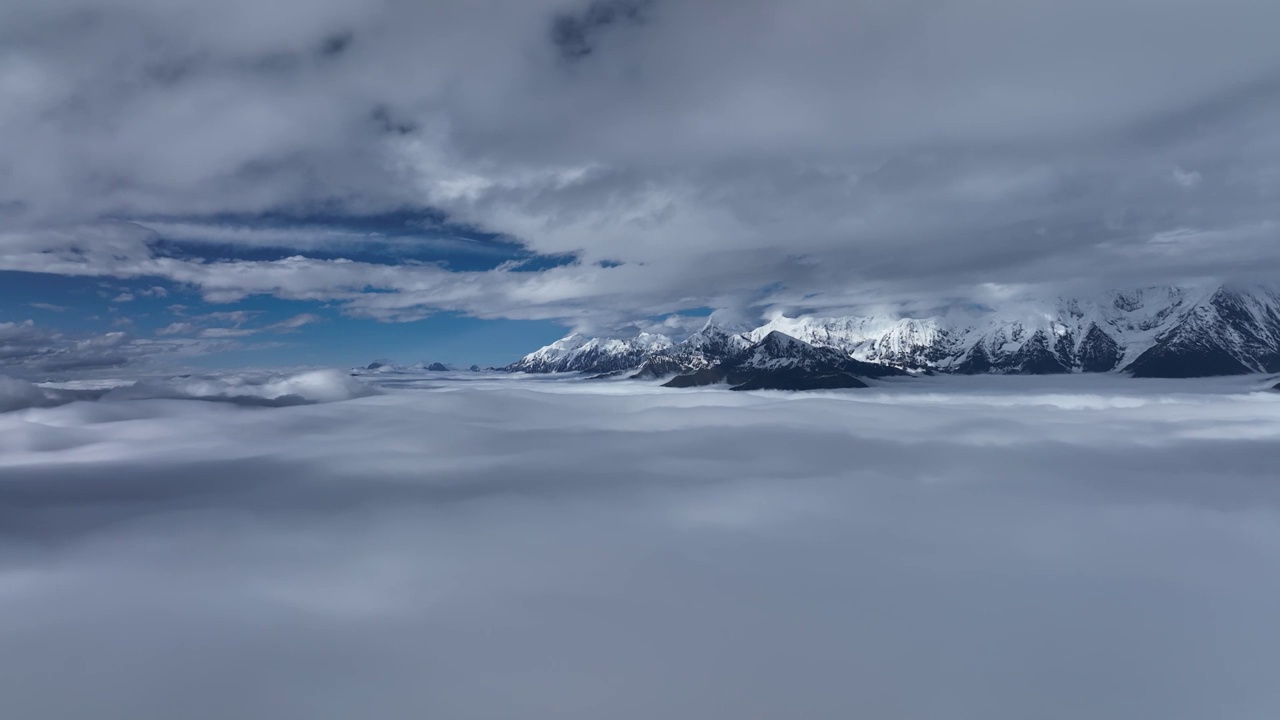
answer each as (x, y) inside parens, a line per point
(17, 394)
(315, 386)
(494, 548)
(266, 389)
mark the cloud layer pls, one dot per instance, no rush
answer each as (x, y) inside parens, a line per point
(715, 154)
(992, 547)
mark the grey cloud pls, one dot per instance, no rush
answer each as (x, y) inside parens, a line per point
(836, 152)
(30, 350)
(26, 346)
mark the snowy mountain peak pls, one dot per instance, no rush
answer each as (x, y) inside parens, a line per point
(720, 325)
(562, 347)
(1156, 331)
(781, 344)
(576, 353)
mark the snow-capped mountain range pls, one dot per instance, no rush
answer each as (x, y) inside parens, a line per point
(1152, 332)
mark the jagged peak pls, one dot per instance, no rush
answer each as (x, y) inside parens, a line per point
(714, 336)
(720, 323)
(776, 339)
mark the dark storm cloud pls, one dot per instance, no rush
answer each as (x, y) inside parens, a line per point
(336, 44)
(836, 152)
(576, 34)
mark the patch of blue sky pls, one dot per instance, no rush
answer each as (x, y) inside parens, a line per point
(386, 238)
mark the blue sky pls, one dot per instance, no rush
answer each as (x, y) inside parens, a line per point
(85, 306)
(254, 331)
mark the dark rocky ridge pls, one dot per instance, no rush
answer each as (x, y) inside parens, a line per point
(781, 362)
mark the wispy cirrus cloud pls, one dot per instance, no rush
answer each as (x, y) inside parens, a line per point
(233, 324)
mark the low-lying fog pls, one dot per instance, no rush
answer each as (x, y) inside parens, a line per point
(504, 547)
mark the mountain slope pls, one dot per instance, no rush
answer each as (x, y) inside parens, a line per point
(781, 362)
(577, 353)
(1233, 333)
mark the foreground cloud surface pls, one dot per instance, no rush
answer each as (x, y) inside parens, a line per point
(494, 547)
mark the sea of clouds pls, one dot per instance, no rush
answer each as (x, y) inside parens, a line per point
(251, 388)
(311, 546)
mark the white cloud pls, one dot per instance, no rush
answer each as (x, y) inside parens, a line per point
(177, 328)
(220, 332)
(232, 324)
(1087, 546)
(248, 388)
(295, 322)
